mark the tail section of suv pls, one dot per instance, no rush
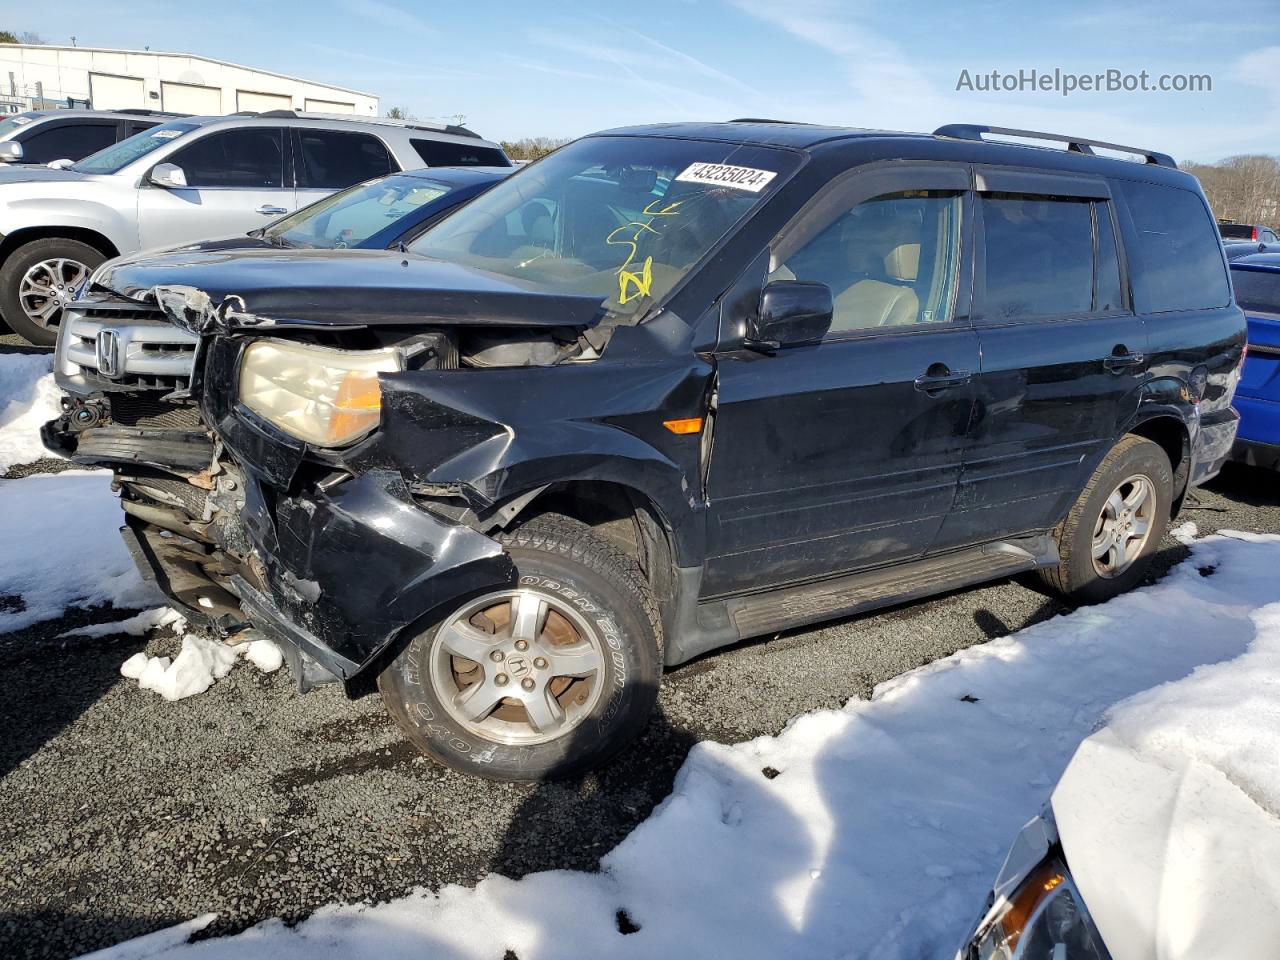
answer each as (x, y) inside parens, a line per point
(669, 388)
(190, 179)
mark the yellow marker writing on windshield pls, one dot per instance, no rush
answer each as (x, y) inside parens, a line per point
(641, 281)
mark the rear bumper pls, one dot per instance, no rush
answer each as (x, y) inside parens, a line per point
(1211, 445)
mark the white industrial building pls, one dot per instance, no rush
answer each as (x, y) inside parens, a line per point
(35, 76)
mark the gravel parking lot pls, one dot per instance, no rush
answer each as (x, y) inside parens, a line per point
(121, 813)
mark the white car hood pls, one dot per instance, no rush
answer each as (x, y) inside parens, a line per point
(1174, 861)
(11, 172)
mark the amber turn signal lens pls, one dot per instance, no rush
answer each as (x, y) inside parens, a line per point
(682, 427)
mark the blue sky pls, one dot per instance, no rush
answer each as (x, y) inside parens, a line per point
(517, 69)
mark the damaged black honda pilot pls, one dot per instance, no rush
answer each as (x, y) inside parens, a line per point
(668, 388)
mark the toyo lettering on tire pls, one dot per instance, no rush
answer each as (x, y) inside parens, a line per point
(547, 678)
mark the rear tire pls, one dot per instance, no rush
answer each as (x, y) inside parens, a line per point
(57, 264)
(547, 679)
(1107, 539)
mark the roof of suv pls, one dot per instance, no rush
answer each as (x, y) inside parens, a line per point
(338, 120)
(158, 115)
(968, 139)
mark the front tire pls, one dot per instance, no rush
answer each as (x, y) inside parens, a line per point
(38, 279)
(1106, 541)
(547, 679)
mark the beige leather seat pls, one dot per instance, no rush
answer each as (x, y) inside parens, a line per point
(877, 303)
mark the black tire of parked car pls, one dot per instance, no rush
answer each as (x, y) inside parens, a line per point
(562, 558)
(1075, 576)
(15, 268)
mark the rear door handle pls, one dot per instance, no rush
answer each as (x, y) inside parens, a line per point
(937, 380)
(269, 211)
(1119, 361)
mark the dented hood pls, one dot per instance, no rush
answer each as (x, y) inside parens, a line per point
(345, 288)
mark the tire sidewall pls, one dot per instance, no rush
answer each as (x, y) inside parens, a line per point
(1145, 459)
(630, 676)
(16, 266)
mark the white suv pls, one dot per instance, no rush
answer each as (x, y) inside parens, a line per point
(193, 178)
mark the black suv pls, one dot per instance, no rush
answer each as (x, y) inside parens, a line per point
(668, 388)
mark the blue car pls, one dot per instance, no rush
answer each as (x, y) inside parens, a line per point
(1256, 280)
(374, 215)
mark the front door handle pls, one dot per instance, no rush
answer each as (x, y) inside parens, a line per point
(939, 377)
(269, 211)
(1118, 362)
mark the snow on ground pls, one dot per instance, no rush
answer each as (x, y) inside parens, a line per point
(136, 626)
(201, 661)
(872, 831)
(28, 399)
(61, 548)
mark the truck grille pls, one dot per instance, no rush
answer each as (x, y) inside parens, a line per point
(140, 349)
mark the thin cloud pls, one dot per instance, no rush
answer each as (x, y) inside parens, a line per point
(389, 16)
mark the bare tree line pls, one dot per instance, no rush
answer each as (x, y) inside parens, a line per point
(1245, 189)
(531, 148)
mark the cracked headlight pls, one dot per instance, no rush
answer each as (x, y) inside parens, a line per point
(1044, 918)
(326, 397)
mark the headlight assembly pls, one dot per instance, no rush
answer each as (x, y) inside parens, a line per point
(1044, 918)
(326, 397)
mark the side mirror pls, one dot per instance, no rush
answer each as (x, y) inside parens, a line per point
(10, 151)
(168, 175)
(792, 313)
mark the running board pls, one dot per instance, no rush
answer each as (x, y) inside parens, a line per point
(764, 613)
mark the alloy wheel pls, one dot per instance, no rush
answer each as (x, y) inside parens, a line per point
(517, 666)
(47, 287)
(1123, 526)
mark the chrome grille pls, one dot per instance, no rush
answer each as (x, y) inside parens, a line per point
(140, 349)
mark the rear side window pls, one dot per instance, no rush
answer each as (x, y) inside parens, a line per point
(440, 153)
(1257, 289)
(68, 142)
(1177, 263)
(250, 158)
(334, 159)
(1039, 256)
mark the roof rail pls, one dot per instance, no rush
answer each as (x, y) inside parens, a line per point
(973, 131)
(139, 112)
(759, 120)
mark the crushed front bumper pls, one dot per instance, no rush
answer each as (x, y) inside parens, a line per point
(346, 571)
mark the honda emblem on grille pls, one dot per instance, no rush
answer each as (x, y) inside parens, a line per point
(108, 353)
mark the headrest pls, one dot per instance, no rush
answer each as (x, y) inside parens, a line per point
(903, 262)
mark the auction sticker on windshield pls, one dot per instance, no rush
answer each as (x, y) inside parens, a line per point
(726, 175)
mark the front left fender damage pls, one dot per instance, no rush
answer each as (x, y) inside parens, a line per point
(349, 569)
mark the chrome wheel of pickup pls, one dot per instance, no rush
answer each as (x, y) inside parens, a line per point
(47, 287)
(517, 666)
(1123, 526)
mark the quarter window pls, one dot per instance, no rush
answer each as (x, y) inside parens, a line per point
(1178, 257)
(890, 261)
(333, 159)
(251, 158)
(446, 153)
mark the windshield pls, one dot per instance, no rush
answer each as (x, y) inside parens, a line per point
(349, 218)
(1257, 290)
(120, 155)
(621, 218)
